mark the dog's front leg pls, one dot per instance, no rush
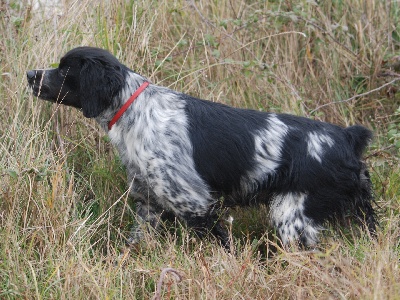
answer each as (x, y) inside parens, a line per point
(146, 214)
(203, 225)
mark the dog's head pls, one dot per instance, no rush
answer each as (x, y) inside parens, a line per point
(87, 78)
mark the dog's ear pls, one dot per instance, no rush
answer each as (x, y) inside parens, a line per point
(100, 82)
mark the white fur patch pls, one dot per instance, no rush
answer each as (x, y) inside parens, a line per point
(268, 145)
(316, 143)
(268, 149)
(287, 215)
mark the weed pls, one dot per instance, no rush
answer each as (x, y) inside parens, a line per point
(64, 210)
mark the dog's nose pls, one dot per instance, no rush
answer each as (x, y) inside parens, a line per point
(30, 74)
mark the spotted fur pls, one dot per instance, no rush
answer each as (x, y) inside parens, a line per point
(189, 156)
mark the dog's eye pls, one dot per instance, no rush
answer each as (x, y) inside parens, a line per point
(63, 72)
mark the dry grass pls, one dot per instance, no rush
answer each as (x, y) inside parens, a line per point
(63, 204)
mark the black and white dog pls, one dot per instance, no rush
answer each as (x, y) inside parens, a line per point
(190, 157)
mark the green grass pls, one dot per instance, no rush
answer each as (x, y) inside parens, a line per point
(64, 210)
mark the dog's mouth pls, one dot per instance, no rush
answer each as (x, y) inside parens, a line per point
(37, 83)
(41, 91)
(44, 93)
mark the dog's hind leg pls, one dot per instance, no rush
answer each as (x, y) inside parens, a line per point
(365, 211)
(288, 217)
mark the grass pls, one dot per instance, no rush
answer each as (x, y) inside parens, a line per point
(64, 209)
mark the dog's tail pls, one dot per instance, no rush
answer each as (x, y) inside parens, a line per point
(360, 137)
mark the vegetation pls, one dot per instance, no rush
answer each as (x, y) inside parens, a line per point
(64, 209)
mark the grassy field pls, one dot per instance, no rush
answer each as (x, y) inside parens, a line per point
(64, 210)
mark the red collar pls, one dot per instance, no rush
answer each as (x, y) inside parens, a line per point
(127, 104)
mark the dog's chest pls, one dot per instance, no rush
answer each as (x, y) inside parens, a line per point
(153, 134)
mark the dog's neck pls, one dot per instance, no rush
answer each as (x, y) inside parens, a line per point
(133, 82)
(124, 107)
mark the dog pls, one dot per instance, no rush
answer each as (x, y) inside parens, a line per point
(193, 157)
